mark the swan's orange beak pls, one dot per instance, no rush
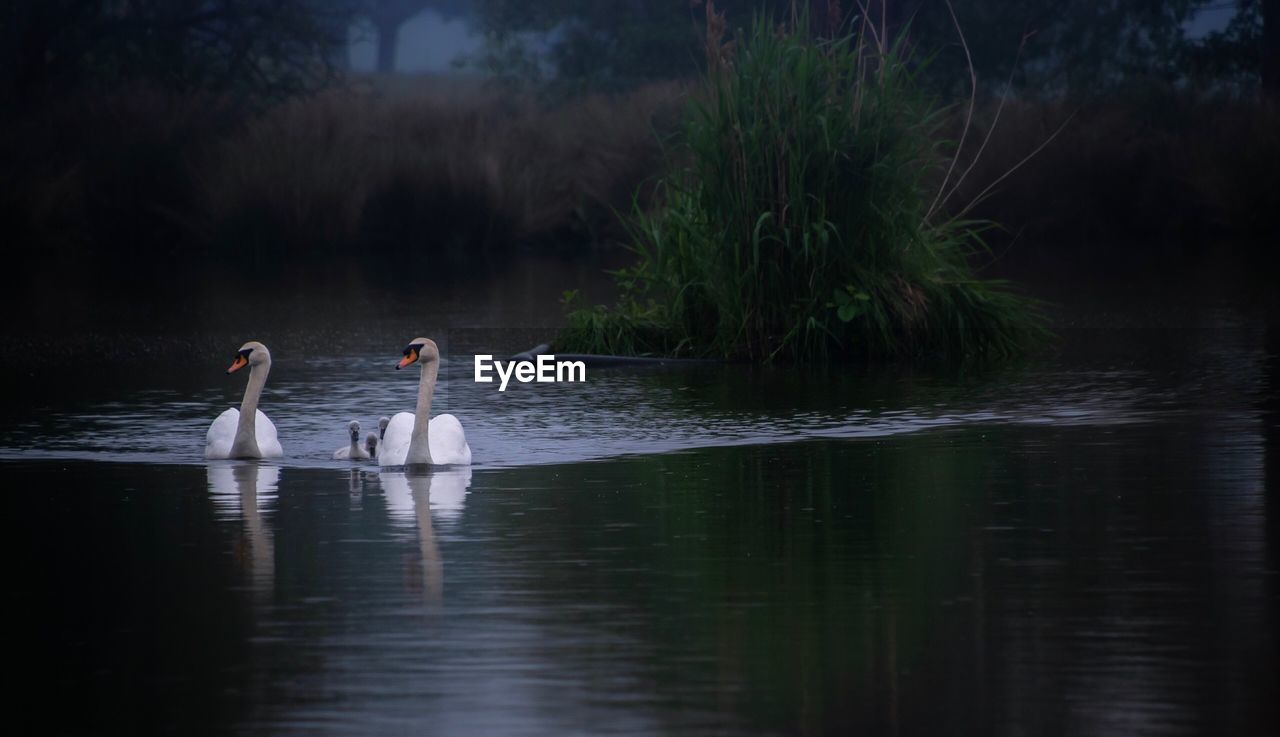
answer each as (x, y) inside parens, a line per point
(238, 364)
(409, 357)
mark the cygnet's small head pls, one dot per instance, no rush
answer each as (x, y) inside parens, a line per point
(371, 443)
(250, 354)
(353, 427)
(419, 349)
(382, 426)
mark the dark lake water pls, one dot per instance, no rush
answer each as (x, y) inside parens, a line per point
(1083, 545)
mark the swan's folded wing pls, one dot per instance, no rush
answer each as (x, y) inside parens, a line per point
(265, 431)
(394, 448)
(217, 442)
(449, 441)
(449, 492)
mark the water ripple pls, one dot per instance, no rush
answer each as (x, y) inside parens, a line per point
(616, 412)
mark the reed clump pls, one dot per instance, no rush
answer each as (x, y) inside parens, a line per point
(795, 220)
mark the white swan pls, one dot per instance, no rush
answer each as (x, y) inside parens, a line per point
(413, 439)
(421, 497)
(353, 450)
(371, 444)
(246, 432)
(244, 490)
(408, 493)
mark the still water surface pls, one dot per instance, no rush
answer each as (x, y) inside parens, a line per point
(1086, 545)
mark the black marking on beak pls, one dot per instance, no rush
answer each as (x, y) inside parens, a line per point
(410, 352)
(235, 360)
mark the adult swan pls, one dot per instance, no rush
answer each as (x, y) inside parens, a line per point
(419, 438)
(246, 432)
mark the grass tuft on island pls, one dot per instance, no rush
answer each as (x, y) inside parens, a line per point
(800, 220)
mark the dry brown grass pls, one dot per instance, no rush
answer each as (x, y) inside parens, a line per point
(426, 170)
(372, 173)
(381, 173)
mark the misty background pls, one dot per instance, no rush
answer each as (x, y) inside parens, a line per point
(269, 137)
(446, 36)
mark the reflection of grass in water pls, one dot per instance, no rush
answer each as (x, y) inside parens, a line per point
(796, 222)
(801, 578)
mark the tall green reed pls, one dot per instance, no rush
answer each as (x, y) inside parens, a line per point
(794, 222)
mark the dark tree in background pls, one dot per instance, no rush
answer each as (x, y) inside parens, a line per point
(1092, 47)
(274, 47)
(593, 45)
(589, 45)
(1234, 56)
(1080, 47)
(387, 16)
(260, 47)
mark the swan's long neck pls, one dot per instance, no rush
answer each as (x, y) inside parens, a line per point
(432, 566)
(419, 444)
(246, 442)
(260, 543)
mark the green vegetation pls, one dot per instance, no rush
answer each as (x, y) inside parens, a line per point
(801, 221)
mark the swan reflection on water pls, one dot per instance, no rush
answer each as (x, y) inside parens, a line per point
(241, 492)
(415, 498)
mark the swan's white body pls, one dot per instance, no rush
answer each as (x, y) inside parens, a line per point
(243, 491)
(415, 499)
(418, 438)
(246, 432)
(442, 491)
(445, 439)
(222, 436)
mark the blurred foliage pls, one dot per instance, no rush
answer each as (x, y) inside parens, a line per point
(277, 47)
(1086, 48)
(1079, 47)
(583, 44)
(1232, 55)
(258, 48)
(1075, 46)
